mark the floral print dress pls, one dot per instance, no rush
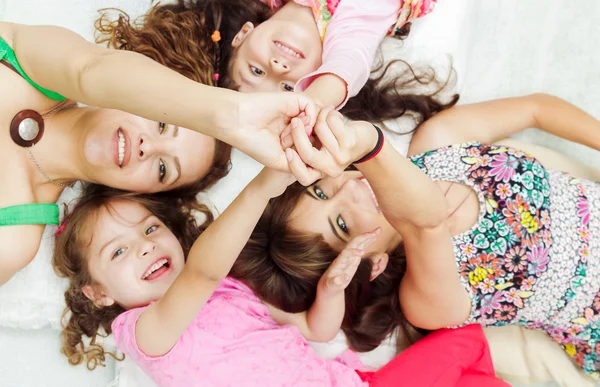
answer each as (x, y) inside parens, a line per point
(533, 257)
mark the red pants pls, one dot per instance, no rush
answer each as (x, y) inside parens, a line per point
(445, 358)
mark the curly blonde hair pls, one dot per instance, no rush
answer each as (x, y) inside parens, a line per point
(82, 318)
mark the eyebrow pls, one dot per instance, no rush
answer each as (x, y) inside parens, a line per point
(115, 238)
(331, 223)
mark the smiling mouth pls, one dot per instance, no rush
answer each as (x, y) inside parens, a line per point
(373, 197)
(158, 269)
(289, 50)
(121, 144)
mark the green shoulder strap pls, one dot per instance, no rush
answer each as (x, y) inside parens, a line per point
(7, 54)
(29, 214)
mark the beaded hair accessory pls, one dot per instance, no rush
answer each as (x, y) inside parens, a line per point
(216, 37)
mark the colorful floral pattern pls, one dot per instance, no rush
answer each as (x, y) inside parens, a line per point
(532, 258)
(323, 11)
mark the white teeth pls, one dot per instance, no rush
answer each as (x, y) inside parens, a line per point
(288, 50)
(155, 267)
(121, 147)
(373, 197)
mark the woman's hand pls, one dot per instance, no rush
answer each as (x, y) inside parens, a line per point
(260, 119)
(338, 145)
(342, 269)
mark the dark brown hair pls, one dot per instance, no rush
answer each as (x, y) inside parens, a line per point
(82, 317)
(178, 38)
(283, 267)
(383, 97)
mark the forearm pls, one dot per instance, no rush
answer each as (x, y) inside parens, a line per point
(324, 318)
(561, 118)
(62, 61)
(215, 251)
(405, 194)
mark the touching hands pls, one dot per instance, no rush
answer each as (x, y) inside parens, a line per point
(333, 148)
(261, 119)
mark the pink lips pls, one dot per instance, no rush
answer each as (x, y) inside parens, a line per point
(291, 48)
(160, 272)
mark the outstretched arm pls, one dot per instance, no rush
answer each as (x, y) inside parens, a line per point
(488, 122)
(61, 60)
(209, 261)
(64, 62)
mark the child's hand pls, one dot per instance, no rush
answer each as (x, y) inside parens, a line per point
(342, 269)
(338, 146)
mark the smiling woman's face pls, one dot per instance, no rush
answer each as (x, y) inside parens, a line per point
(340, 209)
(124, 151)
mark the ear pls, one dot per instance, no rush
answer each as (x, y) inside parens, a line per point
(98, 297)
(380, 262)
(242, 34)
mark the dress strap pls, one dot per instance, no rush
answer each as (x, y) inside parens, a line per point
(22, 214)
(8, 56)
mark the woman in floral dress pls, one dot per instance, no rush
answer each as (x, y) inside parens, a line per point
(490, 234)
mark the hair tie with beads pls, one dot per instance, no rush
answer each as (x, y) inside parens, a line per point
(216, 37)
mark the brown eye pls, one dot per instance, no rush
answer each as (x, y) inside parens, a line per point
(256, 71)
(162, 127)
(162, 170)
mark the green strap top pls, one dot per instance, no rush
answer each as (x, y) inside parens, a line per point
(7, 54)
(29, 214)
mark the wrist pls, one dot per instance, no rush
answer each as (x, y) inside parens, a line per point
(368, 138)
(225, 118)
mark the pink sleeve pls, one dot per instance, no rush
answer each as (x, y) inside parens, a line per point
(123, 328)
(351, 41)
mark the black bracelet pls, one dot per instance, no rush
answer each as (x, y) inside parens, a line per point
(375, 150)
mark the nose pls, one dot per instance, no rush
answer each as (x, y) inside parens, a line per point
(349, 191)
(146, 247)
(145, 147)
(279, 66)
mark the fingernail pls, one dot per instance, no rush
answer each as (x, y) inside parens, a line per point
(289, 154)
(294, 123)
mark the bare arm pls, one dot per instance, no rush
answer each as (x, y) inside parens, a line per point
(417, 209)
(62, 61)
(488, 122)
(320, 323)
(209, 261)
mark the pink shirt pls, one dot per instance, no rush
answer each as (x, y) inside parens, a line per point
(234, 342)
(351, 40)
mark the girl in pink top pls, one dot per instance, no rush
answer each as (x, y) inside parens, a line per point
(187, 324)
(331, 62)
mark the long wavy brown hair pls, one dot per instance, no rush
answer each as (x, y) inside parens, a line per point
(283, 267)
(397, 90)
(82, 318)
(178, 38)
